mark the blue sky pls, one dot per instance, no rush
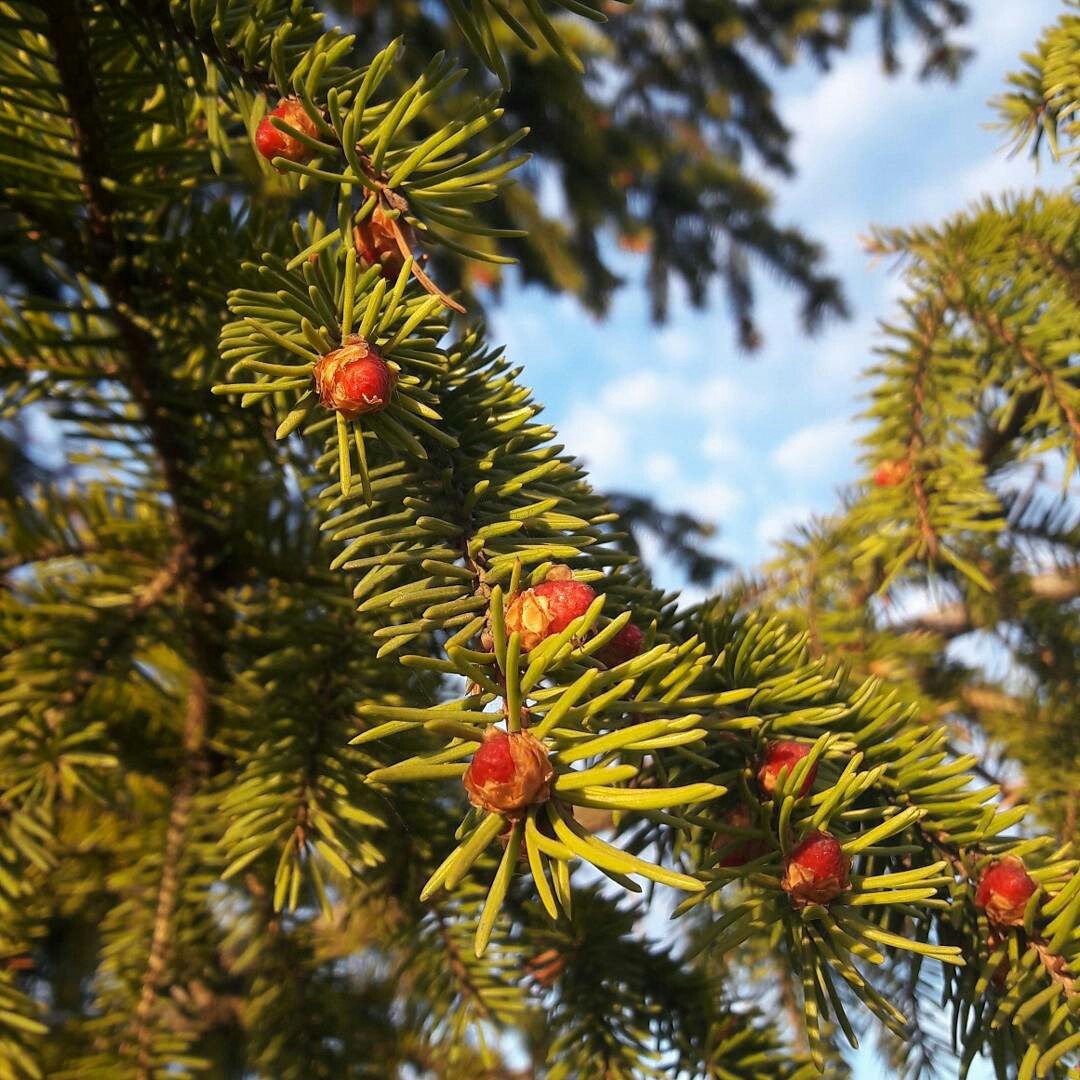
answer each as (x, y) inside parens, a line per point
(758, 443)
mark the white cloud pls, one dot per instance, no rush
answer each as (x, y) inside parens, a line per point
(636, 392)
(660, 467)
(816, 451)
(716, 500)
(676, 345)
(569, 308)
(777, 522)
(853, 100)
(721, 446)
(646, 391)
(994, 174)
(717, 392)
(713, 500)
(599, 441)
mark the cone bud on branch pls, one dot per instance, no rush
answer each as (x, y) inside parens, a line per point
(354, 379)
(376, 240)
(509, 773)
(624, 646)
(891, 473)
(1004, 891)
(271, 142)
(816, 871)
(780, 755)
(548, 608)
(737, 849)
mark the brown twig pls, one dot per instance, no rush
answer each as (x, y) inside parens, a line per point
(458, 966)
(195, 722)
(931, 320)
(956, 619)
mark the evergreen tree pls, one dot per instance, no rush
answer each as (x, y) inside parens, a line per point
(662, 144)
(256, 821)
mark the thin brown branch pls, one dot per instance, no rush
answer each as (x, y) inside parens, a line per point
(48, 552)
(207, 43)
(995, 440)
(458, 966)
(917, 441)
(1055, 966)
(984, 699)
(155, 590)
(194, 731)
(1068, 825)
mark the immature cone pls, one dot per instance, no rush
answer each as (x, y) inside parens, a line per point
(891, 473)
(377, 243)
(1004, 890)
(548, 608)
(509, 773)
(816, 871)
(272, 143)
(624, 646)
(738, 817)
(354, 379)
(779, 755)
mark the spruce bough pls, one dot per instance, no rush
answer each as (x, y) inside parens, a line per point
(244, 783)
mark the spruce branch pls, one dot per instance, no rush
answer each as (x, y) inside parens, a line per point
(107, 254)
(1001, 332)
(930, 321)
(956, 619)
(192, 770)
(466, 509)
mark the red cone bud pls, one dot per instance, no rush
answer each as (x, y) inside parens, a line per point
(377, 243)
(547, 608)
(272, 143)
(354, 379)
(509, 773)
(891, 473)
(624, 646)
(816, 871)
(779, 755)
(1004, 890)
(737, 849)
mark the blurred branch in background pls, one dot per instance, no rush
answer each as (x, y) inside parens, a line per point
(666, 144)
(681, 537)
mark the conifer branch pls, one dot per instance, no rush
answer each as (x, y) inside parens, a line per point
(192, 770)
(162, 583)
(956, 619)
(211, 45)
(1057, 261)
(47, 553)
(458, 965)
(466, 505)
(107, 254)
(930, 321)
(999, 330)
